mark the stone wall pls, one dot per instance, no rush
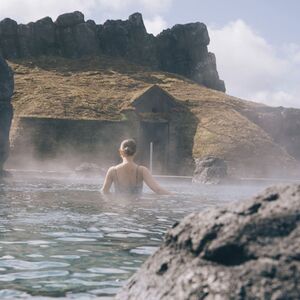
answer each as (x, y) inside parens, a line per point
(181, 49)
(63, 143)
(6, 110)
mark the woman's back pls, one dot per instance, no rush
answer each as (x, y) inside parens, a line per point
(128, 178)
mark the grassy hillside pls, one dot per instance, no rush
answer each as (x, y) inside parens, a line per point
(101, 87)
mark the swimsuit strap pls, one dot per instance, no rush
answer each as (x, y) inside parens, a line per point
(139, 180)
(137, 176)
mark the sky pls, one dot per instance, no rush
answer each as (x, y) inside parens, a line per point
(257, 43)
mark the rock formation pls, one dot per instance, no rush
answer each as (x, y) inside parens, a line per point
(181, 50)
(248, 250)
(210, 170)
(6, 110)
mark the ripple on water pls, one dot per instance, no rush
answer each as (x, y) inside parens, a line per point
(126, 235)
(65, 234)
(105, 291)
(32, 275)
(32, 243)
(71, 257)
(107, 271)
(144, 250)
(12, 294)
(75, 239)
(85, 275)
(28, 265)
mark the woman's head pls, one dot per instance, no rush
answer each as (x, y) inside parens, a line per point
(128, 147)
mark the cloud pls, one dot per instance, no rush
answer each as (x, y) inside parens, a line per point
(253, 68)
(30, 10)
(155, 6)
(155, 25)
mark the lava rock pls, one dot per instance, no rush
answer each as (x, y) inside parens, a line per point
(37, 38)
(70, 19)
(45, 37)
(210, 170)
(76, 38)
(247, 250)
(183, 50)
(9, 38)
(128, 39)
(6, 110)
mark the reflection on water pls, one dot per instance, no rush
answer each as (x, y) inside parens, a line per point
(60, 238)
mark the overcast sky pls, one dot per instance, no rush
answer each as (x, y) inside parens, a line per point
(256, 42)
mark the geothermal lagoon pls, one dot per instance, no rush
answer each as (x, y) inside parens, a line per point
(60, 238)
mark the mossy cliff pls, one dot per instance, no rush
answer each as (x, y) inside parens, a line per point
(102, 88)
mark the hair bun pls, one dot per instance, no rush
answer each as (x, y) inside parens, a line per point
(128, 147)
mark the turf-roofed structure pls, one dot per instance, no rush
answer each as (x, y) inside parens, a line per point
(80, 88)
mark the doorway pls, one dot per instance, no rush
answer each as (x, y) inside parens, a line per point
(156, 132)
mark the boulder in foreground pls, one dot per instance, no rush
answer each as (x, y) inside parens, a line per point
(249, 250)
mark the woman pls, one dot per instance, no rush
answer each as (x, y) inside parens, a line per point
(128, 177)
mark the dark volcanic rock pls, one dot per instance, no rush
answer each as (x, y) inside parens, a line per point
(9, 42)
(6, 110)
(75, 37)
(210, 170)
(248, 250)
(70, 19)
(181, 50)
(37, 38)
(44, 37)
(128, 39)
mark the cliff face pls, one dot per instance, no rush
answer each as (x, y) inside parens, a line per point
(6, 111)
(181, 49)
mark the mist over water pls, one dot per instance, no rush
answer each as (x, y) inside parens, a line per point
(60, 238)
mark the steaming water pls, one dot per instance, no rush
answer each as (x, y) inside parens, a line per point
(60, 238)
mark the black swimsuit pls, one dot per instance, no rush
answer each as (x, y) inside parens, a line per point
(129, 190)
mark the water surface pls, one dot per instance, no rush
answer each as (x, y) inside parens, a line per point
(60, 238)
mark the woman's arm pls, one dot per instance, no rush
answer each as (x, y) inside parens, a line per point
(107, 181)
(152, 183)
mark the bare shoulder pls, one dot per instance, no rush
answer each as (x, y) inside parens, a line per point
(111, 170)
(142, 168)
(117, 166)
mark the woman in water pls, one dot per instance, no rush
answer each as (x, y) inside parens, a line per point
(128, 177)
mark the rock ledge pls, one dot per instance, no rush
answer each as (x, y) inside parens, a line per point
(249, 250)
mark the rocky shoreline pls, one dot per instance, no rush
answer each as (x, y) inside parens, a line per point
(248, 250)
